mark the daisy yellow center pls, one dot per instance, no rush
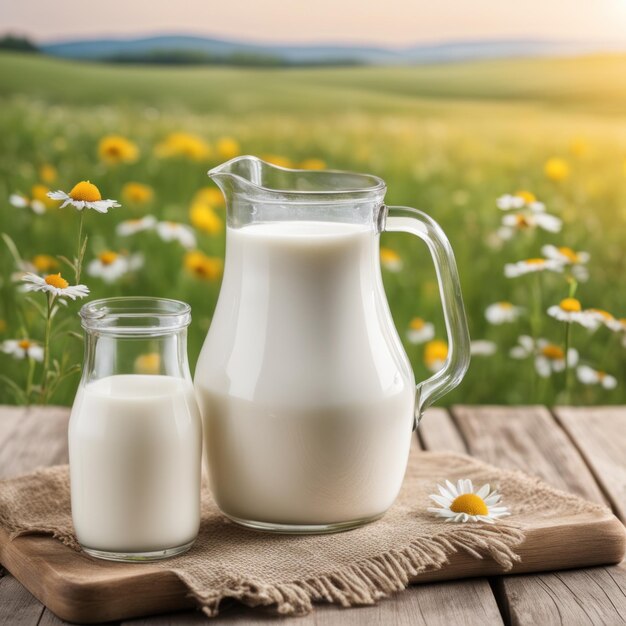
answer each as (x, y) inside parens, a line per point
(505, 305)
(107, 257)
(569, 254)
(469, 503)
(521, 221)
(435, 351)
(85, 191)
(536, 261)
(56, 280)
(388, 255)
(526, 196)
(24, 344)
(417, 323)
(571, 305)
(553, 352)
(601, 375)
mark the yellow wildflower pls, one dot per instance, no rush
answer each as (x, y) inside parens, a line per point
(435, 354)
(275, 159)
(202, 266)
(527, 196)
(137, 193)
(117, 149)
(40, 193)
(204, 218)
(313, 164)
(44, 263)
(390, 260)
(183, 144)
(47, 173)
(227, 148)
(209, 195)
(579, 147)
(149, 363)
(556, 169)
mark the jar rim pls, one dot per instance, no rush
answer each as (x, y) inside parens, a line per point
(135, 315)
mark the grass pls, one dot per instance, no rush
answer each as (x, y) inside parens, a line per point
(449, 139)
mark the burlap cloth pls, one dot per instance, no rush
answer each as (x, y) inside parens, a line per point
(350, 568)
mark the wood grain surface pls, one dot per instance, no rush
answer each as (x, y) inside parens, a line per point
(36, 437)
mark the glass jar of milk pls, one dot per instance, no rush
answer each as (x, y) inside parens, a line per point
(135, 432)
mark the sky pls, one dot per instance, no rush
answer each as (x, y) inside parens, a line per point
(391, 23)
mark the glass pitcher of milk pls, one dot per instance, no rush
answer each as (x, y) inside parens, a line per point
(307, 396)
(135, 434)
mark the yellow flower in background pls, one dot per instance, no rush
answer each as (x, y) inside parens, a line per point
(313, 164)
(149, 363)
(527, 196)
(204, 218)
(556, 169)
(390, 260)
(40, 193)
(227, 148)
(181, 144)
(209, 195)
(3, 325)
(44, 263)
(278, 160)
(202, 266)
(579, 147)
(420, 331)
(435, 354)
(137, 193)
(115, 149)
(47, 173)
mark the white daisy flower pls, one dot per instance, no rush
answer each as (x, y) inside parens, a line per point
(84, 195)
(588, 376)
(550, 358)
(509, 202)
(109, 266)
(528, 266)
(482, 347)
(132, 227)
(460, 503)
(531, 220)
(604, 318)
(54, 284)
(391, 260)
(525, 347)
(22, 348)
(22, 202)
(420, 331)
(173, 231)
(569, 310)
(502, 313)
(575, 260)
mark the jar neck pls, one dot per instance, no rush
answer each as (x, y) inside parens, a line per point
(113, 355)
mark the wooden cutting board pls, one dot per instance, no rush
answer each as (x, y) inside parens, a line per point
(79, 588)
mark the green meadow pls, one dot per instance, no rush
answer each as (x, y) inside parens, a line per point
(448, 139)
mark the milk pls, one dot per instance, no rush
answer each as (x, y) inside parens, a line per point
(306, 394)
(135, 459)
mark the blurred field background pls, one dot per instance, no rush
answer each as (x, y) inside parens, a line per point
(448, 139)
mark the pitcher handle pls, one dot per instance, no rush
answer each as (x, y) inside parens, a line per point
(408, 220)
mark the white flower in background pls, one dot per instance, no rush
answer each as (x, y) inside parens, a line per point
(529, 266)
(588, 376)
(570, 310)
(22, 202)
(173, 231)
(84, 195)
(132, 227)
(109, 266)
(604, 318)
(509, 202)
(483, 347)
(502, 313)
(550, 358)
(460, 503)
(22, 348)
(529, 221)
(420, 331)
(54, 284)
(525, 347)
(390, 260)
(568, 257)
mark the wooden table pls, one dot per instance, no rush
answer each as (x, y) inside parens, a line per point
(582, 450)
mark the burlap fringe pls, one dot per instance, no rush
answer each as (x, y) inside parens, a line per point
(368, 581)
